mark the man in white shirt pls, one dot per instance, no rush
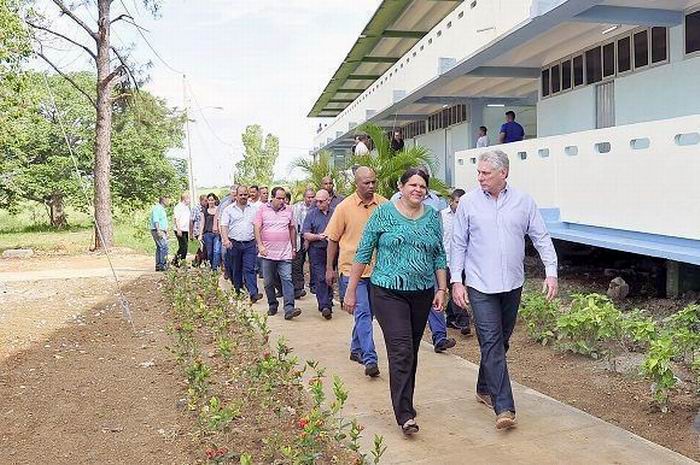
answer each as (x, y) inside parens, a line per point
(483, 140)
(181, 221)
(238, 239)
(457, 317)
(362, 145)
(254, 196)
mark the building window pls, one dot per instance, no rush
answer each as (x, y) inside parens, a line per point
(594, 66)
(566, 75)
(608, 60)
(624, 55)
(545, 82)
(578, 70)
(692, 32)
(659, 45)
(641, 49)
(556, 79)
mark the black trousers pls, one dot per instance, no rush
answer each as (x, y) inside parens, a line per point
(182, 241)
(402, 315)
(298, 270)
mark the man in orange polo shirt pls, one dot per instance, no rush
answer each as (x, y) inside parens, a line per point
(344, 231)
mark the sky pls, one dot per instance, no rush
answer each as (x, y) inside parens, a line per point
(246, 62)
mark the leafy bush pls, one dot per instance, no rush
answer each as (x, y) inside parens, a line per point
(591, 327)
(540, 316)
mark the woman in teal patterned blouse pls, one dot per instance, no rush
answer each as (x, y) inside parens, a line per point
(407, 238)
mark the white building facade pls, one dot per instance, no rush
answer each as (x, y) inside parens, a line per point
(606, 91)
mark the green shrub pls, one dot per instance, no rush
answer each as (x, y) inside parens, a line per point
(592, 326)
(540, 316)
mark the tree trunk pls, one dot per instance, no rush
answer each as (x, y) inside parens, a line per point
(103, 132)
(57, 214)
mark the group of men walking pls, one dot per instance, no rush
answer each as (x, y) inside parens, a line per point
(479, 254)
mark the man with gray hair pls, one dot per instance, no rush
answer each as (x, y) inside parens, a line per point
(488, 244)
(300, 210)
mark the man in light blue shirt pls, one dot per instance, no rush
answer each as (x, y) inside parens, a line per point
(158, 224)
(488, 244)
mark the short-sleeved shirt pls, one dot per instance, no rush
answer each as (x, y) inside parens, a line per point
(335, 201)
(409, 251)
(513, 130)
(239, 222)
(196, 218)
(158, 216)
(182, 214)
(315, 223)
(345, 228)
(274, 231)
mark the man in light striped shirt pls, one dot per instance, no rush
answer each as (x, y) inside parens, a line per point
(488, 244)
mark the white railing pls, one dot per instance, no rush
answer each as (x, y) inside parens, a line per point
(641, 177)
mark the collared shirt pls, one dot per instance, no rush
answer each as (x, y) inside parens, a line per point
(431, 199)
(225, 202)
(345, 228)
(513, 130)
(182, 213)
(255, 204)
(159, 217)
(274, 231)
(316, 222)
(447, 216)
(335, 201)
(488, 240)
(239, 222)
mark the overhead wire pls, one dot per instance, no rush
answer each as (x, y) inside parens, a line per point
(123, 301)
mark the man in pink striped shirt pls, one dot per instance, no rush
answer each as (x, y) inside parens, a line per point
(275, 234)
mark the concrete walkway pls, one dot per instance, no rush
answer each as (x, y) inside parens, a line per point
(455, 429)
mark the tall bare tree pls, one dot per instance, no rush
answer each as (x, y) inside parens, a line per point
(112, 71)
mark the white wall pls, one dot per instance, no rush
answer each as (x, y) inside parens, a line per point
(435, 142)
(651, 190)
(665, 91)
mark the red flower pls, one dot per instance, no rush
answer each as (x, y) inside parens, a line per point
(221, 452)
(303, 422)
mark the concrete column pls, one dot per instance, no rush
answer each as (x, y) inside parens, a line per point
(476, 119)
(673, 279)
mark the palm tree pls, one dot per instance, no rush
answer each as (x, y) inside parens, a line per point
(319, 168)
(390, 165)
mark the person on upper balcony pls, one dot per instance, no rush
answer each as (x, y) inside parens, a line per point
(511, 131)
(397, 141)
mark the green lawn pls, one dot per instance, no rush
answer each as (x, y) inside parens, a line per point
(29, 229)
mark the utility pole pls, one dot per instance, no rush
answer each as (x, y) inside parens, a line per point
(190, 165)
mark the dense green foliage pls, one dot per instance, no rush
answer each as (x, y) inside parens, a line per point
(14, 40)
(390, 165)
(35, 160)
(257, 166)
(318, 168)
(594, 326)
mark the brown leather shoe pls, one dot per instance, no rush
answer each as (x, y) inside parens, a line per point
(505, 420)
(484, 399)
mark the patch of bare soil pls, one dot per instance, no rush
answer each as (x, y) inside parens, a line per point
(96, 390)
(624, 400)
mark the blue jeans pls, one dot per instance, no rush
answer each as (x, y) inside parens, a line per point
(212, 242)
(438, 326)
(362, 341)
(494, 320)
(283, 269)
(161, 250)
(241, 262)
(317, 262)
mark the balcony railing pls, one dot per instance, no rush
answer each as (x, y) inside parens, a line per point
(643, 178)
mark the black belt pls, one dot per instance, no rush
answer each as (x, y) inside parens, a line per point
(243, 242)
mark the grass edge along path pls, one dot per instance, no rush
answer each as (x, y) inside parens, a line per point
(250, 402)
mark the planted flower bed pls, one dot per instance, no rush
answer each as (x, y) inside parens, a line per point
(251, 401)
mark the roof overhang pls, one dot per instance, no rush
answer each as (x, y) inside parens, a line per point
(506, 70)
(393, 29)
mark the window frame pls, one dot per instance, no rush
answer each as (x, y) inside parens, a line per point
(688, 12)
(668, 47)
(634, 51)
(628, 36)
(602, 60)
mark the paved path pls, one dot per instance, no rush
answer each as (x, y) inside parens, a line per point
(455, 429)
